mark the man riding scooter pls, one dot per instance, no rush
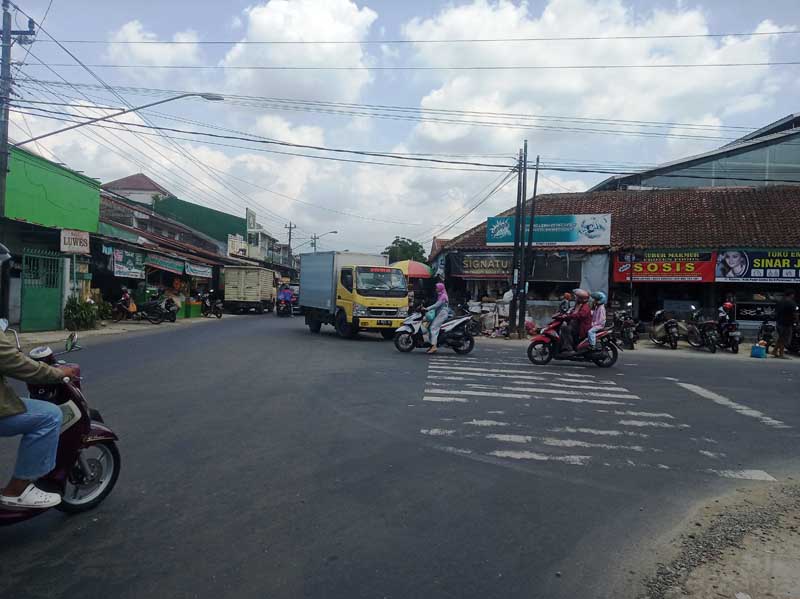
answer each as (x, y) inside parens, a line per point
(39, 422)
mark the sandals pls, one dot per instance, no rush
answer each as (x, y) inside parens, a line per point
(32, 497)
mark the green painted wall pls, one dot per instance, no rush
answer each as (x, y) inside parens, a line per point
(213, 223)
(41, 192)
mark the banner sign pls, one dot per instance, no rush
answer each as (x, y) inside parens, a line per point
(74, 242)
(198, 270)
(164, 263)
(552, 229)
(665, 265)
(480, 265)
(129, 265)
(758, 266)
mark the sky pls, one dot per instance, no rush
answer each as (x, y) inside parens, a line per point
(601, 119)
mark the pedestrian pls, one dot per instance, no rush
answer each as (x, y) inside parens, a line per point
(442, 311)
(598, 317)
(785, 316)
(39, 422)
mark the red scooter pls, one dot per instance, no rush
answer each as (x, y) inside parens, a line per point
(87, 461)
(548, 345)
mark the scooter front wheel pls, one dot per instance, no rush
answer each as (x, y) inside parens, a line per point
(85, 491)
(404, 342)
(540, 353)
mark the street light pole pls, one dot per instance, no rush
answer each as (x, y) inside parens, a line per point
(315, 238)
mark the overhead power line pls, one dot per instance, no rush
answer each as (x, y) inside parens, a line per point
(441, 41)
(428, 68)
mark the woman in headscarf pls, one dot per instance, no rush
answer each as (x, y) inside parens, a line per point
(442, 311)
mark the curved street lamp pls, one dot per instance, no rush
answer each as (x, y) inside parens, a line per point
(315, 238)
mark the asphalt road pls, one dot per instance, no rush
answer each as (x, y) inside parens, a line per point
(262, 461)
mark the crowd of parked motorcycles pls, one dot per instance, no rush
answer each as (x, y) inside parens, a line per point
(161, 307)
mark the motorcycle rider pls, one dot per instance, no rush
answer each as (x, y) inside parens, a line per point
(39, 422)
(286, 294)
(725, 313)
(598, 317)
(442, 311)
(580, 321)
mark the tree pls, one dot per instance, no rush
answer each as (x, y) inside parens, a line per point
(403, 248)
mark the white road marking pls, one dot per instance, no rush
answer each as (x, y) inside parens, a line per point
(486, 423)
(440, 399)
(456, 450)
(711, 454)
(576, 460)
(592, 387)
(645, 414)
(511, 438)
(662, 467)
(437, 432)
(744, 474)
(737, 407)
(670, 378)
(599, 433)
(602, 402)
(554, 442)
(709, 440)
(652, 423)
(505, 371)
(560, 391)
(445, 373)
(496, 412)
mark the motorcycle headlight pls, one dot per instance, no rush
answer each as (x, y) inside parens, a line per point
(402, 312)
(359, 310)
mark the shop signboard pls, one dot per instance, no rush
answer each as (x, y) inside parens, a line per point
(758, 266)
(164, 263)
(74, 242)
(691, 266)
(198, 270)
(552, 229)
(129, 265)
(480, 265)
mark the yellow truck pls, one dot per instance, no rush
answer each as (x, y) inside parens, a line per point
(353, 292)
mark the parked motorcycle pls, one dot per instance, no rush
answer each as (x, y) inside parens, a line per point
(453, 333)
(625, 326)
(88, 461)
(548, 345)
(702, 332)
(126, 309)
(170, 308)
(664, 331)
(766, 332)
(729, 335)
(209, 305)
(474, 326)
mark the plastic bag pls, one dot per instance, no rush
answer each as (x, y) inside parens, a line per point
(430, 315)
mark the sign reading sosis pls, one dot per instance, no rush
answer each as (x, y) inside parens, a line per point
(656, 266)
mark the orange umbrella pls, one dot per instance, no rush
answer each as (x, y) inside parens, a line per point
(413, 269)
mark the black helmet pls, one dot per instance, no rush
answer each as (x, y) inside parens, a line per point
(4, 253)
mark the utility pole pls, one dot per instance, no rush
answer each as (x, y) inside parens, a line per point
(290, 226)
(5, 93)
(512, 309)
(529, 253)
(314, 242)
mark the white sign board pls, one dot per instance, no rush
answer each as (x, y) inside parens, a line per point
(74, 242)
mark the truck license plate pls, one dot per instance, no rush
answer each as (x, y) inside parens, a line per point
(384, 322)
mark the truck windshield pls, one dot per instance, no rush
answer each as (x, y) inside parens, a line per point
(380, 281)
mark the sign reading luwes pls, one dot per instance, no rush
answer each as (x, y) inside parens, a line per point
(74, 242)
(655, 266)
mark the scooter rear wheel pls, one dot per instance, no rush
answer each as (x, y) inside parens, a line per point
(466, 346)
(105, 466)
(540, 353)
(610, 356)
(156, 318)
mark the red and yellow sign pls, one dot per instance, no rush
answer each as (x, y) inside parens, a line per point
(658, 266)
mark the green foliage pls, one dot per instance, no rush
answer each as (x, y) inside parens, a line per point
(403, 248)
(79, 315)
(104, 310)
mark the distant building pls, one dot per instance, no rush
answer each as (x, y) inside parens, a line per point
(139, 188)
(768, 156)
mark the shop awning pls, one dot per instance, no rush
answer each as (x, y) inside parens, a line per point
(198, 270)
(164, 263)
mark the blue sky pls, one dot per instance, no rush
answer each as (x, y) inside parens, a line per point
(323, 195)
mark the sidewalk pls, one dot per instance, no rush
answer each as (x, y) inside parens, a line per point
(108, 329)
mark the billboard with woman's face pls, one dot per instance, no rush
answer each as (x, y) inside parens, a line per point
(732, 264)
(758, 266)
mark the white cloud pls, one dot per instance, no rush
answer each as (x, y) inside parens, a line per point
(299, 20)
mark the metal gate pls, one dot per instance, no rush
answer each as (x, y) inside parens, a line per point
(42, 290)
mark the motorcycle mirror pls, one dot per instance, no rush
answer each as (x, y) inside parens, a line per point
(71, 341)
(16, 339)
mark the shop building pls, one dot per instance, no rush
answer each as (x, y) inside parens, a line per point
(665, 249)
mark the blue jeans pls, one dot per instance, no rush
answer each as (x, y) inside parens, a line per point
(40, 427)
(593, 335)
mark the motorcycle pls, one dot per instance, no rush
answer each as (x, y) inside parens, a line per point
(664, 331)
(210, 306)
(126, 309)
(625, 326)
(474, 326)
(87, 461)
(729, 335)
(453, 333)
(766, 332)
(170, 308)
(548, 344)
(702, 333)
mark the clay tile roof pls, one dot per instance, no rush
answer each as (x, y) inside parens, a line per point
(745, 217)
(137, 182)
(436, 246)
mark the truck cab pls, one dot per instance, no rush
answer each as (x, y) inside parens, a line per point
(353, 292)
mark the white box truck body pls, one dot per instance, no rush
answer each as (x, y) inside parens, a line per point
(249, 288)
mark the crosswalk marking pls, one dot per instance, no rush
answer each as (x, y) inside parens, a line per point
(501, 407)
(737, 407)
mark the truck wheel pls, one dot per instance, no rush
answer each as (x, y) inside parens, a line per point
(344, 328)
(314, 325)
